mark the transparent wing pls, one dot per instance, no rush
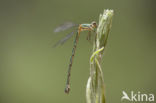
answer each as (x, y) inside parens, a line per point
(62, 41)
(65, 26)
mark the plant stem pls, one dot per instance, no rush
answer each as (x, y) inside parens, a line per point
(95, 85)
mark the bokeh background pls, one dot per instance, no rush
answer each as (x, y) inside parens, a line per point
(31, 71)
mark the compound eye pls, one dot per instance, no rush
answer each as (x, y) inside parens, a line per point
(94, 24)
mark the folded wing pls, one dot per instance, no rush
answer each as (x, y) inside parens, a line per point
(62, 41)
(65, 26)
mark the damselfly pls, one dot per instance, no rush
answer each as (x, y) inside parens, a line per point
(80, 27)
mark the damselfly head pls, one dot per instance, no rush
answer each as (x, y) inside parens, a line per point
(94, 24)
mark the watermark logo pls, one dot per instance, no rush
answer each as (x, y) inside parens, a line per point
(138, 96)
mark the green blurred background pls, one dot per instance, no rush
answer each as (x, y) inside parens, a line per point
(31, 71)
